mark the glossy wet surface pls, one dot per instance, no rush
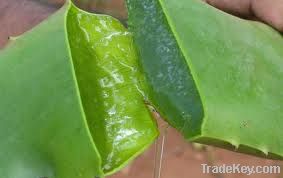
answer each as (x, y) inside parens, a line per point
(111, 87)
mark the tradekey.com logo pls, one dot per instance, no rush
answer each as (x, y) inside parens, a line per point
(241, 169)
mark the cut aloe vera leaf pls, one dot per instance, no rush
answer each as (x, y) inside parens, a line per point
(221, 76)
(54, 119)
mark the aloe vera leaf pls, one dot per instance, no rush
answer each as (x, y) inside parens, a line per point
(234, 71)
(52, 123)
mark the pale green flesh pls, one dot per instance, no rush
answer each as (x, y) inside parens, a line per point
(237, 66)
(111, 87)
(54, 121)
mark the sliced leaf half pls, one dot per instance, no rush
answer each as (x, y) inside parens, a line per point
(216, 78)
(72, 103)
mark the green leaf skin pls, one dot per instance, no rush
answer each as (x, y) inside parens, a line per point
(236, 68)
(54, 119)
